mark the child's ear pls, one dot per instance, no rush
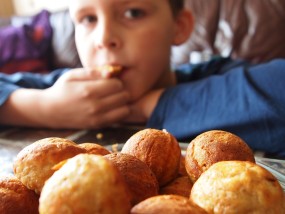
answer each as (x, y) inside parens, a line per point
(184, 27)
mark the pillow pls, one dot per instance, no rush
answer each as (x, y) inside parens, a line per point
(26, 43)
(64, 52)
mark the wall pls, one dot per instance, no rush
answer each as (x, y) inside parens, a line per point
(30, 7)
(6, 8)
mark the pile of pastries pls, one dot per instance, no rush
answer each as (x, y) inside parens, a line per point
(216, 174)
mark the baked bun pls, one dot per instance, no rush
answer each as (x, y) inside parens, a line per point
(109, 70)
(214, 146)
(34, 164)
(140, 180)
(86, 184)
(179, 186)
(17, 198)
(170, 204)
(159, 150)
(94, 148)
(238, 187)
(182, 169)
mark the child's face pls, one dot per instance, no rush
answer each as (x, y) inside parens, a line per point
(134, 34)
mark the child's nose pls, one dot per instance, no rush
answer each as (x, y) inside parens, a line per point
(107, 35)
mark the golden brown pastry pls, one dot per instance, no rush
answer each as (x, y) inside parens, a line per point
(238, 187)
(94, 148)
(17, 198)
(214, 146)
(170, 204)
(140, 180)
(182, 169)
(110, 70)
(86, 184)
(159, 150)
(179, 186)
(34, 164)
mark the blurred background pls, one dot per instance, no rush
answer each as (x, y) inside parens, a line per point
(29, 7)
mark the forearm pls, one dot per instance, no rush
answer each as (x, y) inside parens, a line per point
(19, 103)
(23, 108)
(75, 101)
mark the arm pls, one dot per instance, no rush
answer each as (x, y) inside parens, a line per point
(248, 101)
(76, 100)
(10, 83)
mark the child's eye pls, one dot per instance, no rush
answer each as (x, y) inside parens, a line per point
(87, 20)
(134, 13)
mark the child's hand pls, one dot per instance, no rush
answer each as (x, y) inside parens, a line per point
(142, 109)
(80, 99)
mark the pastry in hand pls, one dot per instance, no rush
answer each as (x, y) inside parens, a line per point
(34, 164)
(214, 146)
(140, 180)
(109, 70)
(159, 150)
(238, 187)
(86, 184)
(16, 197)
(169, 204)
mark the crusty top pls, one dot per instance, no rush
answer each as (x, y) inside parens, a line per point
(213, 146)
(238, 187)
(33, 165)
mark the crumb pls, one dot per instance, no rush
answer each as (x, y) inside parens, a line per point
(115, 147)
(99, 136)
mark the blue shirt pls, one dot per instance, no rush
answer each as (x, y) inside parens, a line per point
(247, 100)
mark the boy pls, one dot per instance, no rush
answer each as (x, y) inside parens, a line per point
(136, 36)
(111, 33)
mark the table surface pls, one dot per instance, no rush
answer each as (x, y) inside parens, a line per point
(13, 140)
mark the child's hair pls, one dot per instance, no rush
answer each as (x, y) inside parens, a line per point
(176, 6)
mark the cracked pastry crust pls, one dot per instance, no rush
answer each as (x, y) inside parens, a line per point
(238, 187)
(214, 146)
(17, 198)
(140, 180)
(159, 150)
(34, 164)
(86, 183)
(167, 204)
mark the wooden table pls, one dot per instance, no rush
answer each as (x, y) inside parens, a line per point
(12, 139)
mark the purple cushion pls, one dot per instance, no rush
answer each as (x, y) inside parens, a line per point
(29, 41)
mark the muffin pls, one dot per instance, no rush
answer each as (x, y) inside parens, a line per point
(182, 169)
(86, 184)
(170, 204)
(238, 187)
(34, 164)
(94, 148)
(140, 180)
(179, 186)
(214, 146)
(17, 198)
(159, 150)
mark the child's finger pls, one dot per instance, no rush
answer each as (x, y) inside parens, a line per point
(79, 74)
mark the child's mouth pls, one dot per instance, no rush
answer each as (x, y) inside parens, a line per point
(110, 70)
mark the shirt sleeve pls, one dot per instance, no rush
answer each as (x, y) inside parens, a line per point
(248, 101)
(12, 82)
